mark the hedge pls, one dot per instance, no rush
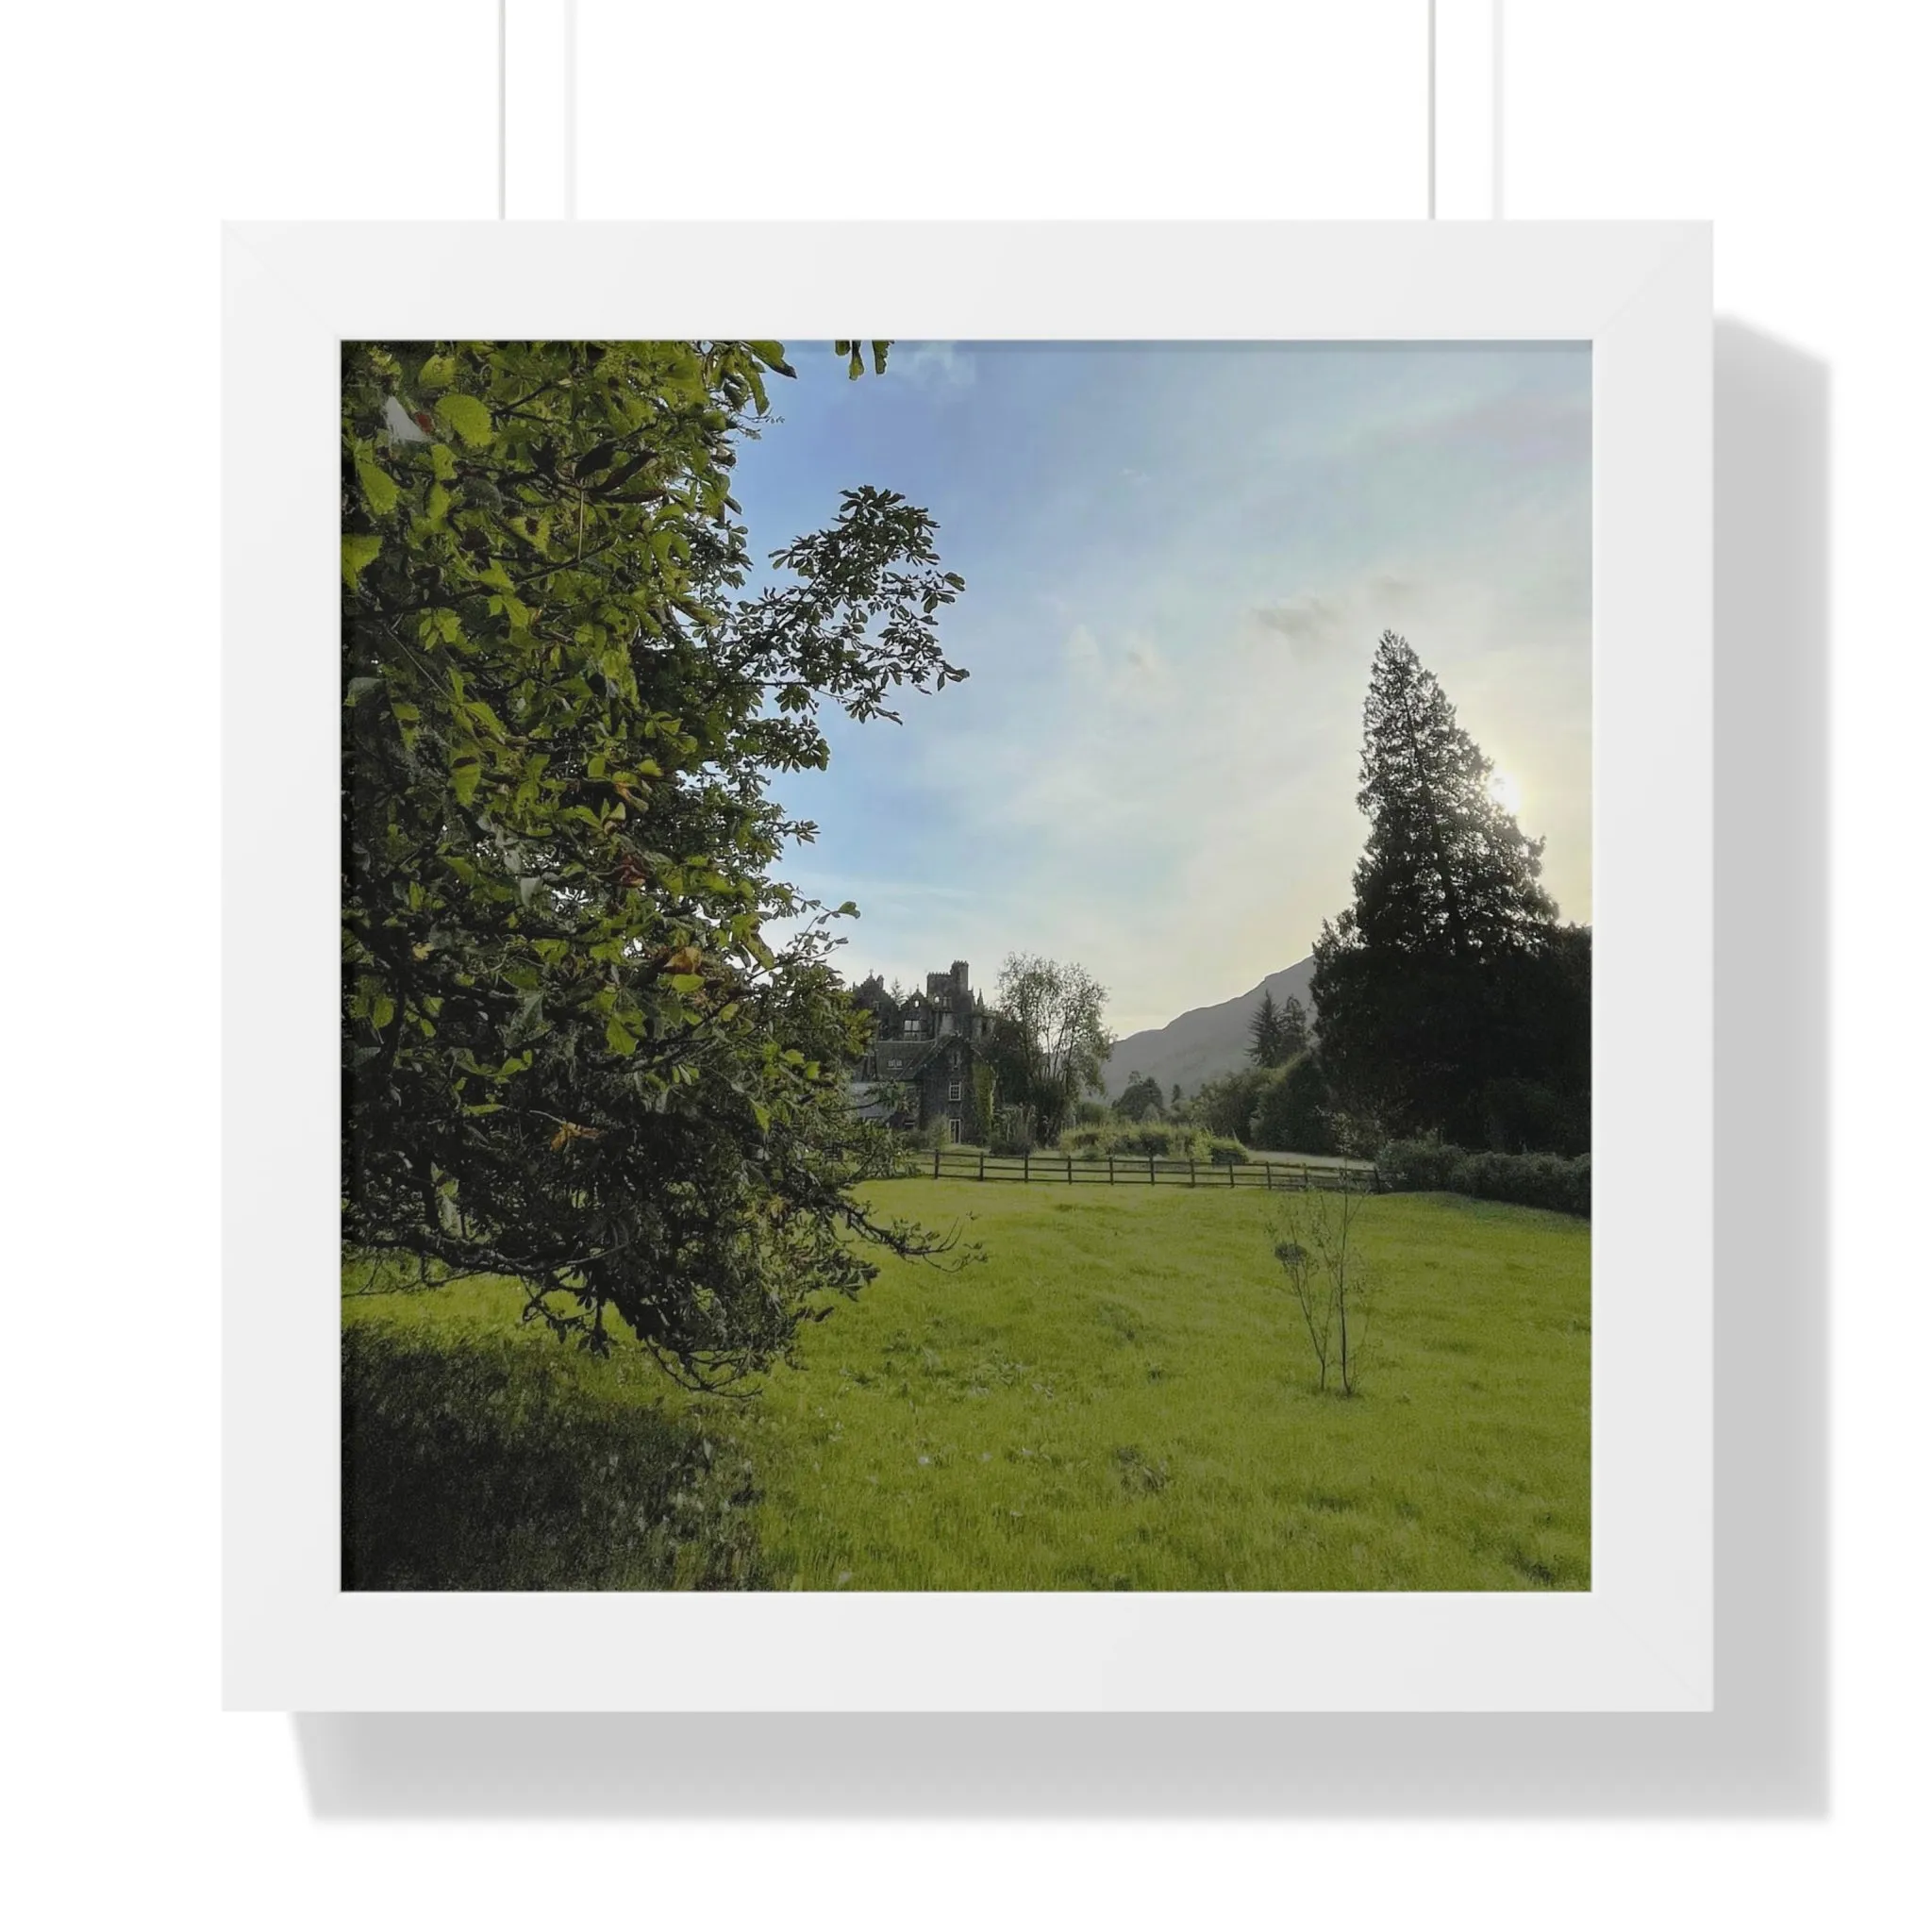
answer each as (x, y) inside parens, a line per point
(1164, 1140)
(1527, 1180)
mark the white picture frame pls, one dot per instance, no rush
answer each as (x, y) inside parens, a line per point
(1640, 1638)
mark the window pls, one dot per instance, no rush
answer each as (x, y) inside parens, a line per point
(953, 1091)
(953, 1129)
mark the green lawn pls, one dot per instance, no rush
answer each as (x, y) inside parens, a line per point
(1120, 1396)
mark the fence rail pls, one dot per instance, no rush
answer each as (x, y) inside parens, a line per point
(1126, 1170)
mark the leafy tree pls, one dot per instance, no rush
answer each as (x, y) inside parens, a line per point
(1139, 1099)
(1290, 1113)
(1051, 1038)
(1225, 1105)
(1419, 985)
(570, 1054)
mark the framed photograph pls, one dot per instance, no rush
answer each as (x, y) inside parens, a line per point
(1010, 1015)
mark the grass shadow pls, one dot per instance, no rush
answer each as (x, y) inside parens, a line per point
(488, 1464)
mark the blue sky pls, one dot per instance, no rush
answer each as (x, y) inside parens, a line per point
(1178, 558)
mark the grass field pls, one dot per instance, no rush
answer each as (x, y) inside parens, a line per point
(1119, 1397)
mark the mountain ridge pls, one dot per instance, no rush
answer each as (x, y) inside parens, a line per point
(1204, 1041)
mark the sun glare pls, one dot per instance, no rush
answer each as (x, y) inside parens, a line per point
(1506, 793)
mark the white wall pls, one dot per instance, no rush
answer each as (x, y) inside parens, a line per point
(130, 128)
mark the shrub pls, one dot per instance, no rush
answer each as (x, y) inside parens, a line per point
(1527, 1180)
(1162, 1139)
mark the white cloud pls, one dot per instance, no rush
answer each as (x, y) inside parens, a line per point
(934, 365)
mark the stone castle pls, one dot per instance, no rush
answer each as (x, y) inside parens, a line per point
(919, 1068)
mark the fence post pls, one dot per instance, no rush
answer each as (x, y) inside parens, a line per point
(1027, 1166)
(1191, 1169)
(1070, 1169)
(1109, 1170)
(1268, 1175)
(1151, 1182)
(1230, 1174)
(935, 1163)
(982, 1163)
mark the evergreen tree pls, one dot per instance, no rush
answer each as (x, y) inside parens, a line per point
(1447, 872)
(1419, 987)
(1264, 1032)
(1294, 1028)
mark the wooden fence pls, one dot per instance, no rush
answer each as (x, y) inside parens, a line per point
(1124, 1169)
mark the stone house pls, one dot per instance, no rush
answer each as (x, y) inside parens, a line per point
(919, 1067)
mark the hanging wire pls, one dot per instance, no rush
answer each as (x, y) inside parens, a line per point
(1432, 110)
(569, 109)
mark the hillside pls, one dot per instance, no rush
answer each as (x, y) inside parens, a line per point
(1204, 1042)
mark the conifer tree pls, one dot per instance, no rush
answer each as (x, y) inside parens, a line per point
(1422, 985)
(1448, 872)
(1264, 1032)
(1294, 1028)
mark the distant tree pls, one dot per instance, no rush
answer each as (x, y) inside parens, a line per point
(1225, 1105)
(1141, 1099)
(1419, 985)
(1173, 1099)
(1294, 1028)
(1278, 1030)
(1264, 1032)
(1290, 1113)
(1051, 1035)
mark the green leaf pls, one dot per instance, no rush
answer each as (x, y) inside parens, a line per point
(438, 373)
(359, 552)
(465, 775)
(619, 1037)
(378, 487)
(687, 982)
(468, 417)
